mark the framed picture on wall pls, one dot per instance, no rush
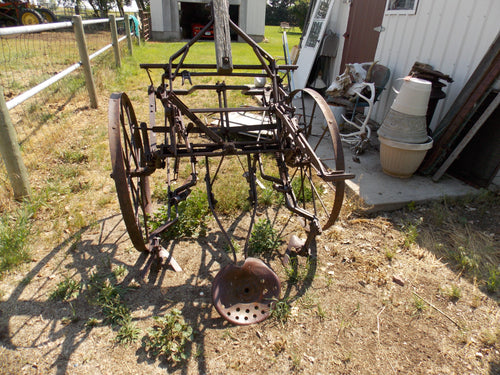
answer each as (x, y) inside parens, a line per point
(401, 7)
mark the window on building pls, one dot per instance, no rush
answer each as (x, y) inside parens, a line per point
(401, 7)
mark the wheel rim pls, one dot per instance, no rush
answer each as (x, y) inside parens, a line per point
(47, 15)
(127, 157)
(317, 123)
(29, 18)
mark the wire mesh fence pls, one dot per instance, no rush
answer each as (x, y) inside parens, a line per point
(29, 59)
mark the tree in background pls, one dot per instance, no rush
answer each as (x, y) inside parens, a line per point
(291, 11)
(299, 12)
(102, 7)
(143, 4)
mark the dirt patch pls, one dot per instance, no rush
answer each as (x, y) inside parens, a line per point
(383, 294)
(353, 309)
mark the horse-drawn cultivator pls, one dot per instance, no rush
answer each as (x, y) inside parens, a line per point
(289, 129)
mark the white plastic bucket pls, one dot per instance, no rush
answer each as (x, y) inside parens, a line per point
(338, 111)
(413, 97)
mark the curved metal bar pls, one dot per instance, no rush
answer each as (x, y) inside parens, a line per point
(211, 205)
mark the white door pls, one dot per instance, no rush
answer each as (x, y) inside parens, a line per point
(312, 41)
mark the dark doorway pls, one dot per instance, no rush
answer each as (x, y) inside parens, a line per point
(479, 161)
(361, 39)
(194, 16)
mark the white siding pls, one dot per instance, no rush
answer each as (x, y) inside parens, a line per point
(254, 13)
(338, 24)
(450, 35)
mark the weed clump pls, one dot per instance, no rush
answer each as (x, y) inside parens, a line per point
(15, 229)
(66, 290)
(493, 282)
(105, 293)
(168, 337)
(281, 310)
(264, 239)
(193, 217)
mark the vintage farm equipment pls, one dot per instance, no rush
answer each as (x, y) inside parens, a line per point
(19, 13)
(289, 129)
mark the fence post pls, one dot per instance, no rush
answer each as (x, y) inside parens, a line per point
(84, 57)
(9, 149)
(114, 38)
(129, 37)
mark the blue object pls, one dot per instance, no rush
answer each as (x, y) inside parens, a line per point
(134, 25)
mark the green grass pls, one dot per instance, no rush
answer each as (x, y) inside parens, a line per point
(264, 239)
(389, 254)
(128, 333)
(15, 229)
(493, 281)
(204, 52)
(419, 305)
(281, 310)
(454, 293)
(411, 235)
(298, 273)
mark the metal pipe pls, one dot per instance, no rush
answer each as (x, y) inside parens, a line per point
(48, 26)
(211, 66)
(35, 90)
(34, 28)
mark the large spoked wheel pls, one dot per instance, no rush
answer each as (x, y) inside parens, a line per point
(128, 162)
(313, 193)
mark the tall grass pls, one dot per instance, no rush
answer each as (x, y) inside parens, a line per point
(15, 228)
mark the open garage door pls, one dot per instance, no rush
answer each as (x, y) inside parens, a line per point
(194, 16)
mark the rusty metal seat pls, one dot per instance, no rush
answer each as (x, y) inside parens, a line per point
(245, 295)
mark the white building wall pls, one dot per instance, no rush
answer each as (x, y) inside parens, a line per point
(338, 24)
(254, 14)
(450, 35)
(165, 18)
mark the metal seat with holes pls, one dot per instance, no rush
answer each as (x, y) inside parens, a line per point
(245, 295)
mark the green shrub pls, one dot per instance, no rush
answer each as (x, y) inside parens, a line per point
(128, 333)
(264, 238)
(193, 216)
(168, 337)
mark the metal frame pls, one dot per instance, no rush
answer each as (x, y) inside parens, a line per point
(288, 140)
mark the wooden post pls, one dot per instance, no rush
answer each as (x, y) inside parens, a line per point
(9, 149)
(84, 57)
(222, 37)
(129, 37)
(114, 38)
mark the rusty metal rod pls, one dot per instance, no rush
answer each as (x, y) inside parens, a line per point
(212, 66)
